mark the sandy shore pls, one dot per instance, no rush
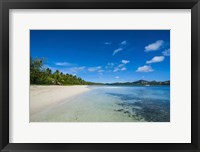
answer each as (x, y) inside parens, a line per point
(44, 96)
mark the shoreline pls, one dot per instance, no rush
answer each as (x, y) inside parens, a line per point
(42, 96)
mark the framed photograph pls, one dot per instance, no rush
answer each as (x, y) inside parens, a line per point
(99, 75)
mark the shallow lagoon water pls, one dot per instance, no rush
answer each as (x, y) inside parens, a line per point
(111, 104)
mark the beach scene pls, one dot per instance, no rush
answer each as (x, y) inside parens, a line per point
(99, 76)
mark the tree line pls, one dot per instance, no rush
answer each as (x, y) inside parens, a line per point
(44, 76)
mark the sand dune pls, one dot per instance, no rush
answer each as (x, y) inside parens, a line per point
(44, 96)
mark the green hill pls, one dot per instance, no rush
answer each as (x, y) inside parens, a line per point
(141, 83)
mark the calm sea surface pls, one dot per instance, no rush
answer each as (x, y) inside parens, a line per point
(112, 104)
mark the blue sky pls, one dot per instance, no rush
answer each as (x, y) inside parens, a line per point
(105, 55)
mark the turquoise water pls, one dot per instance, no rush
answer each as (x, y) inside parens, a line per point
(112, 104)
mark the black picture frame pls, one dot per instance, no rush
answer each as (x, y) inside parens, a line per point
(5, 5)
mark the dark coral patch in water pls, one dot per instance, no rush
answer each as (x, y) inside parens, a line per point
(152, 110)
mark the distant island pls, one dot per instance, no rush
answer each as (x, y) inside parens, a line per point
(39, 75)
(141, 83)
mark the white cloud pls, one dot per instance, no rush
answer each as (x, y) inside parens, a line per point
(121, 65)
(81, 68)
(63, 64)
(123, 69)
(156, 59)
(145, 68)
(116, 69)
(123, 42)
(119, 69)
(93, 69)
(125, 61)
(109, 65)
(166, 52)
(121, 48)
(100, 71)
(72, 70)
(117, 77)
(76, 69)
(116, 51)
(154, 46)
(108, 43)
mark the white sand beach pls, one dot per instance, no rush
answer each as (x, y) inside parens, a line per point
(44, 96)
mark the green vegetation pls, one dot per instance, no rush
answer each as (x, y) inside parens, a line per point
(44, 76)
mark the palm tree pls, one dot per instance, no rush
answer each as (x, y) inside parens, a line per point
(48, 71)
(56, 76)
